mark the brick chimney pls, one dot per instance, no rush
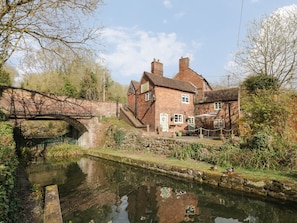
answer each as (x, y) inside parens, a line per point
(157, 67)
(183, 63)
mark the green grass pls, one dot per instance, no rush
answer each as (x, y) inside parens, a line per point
(283, 176)
(64, 150)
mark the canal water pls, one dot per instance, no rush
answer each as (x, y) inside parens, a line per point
(99, 191)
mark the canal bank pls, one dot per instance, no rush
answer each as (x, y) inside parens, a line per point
(282, 190)
(91, 190)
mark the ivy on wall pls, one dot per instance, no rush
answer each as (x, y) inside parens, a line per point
(8, 165)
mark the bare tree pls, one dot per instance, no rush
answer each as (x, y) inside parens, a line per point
(46, 24)
(271, 47)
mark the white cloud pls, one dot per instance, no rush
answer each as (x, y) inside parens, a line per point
(179, 15)
(130, 51)
(167, 3)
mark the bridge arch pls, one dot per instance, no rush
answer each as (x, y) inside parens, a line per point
(76, 123)
(86, 128)
(19, 103)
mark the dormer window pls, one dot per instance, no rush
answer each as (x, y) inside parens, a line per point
(218, 106)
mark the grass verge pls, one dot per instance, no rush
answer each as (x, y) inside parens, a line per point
(286, 176)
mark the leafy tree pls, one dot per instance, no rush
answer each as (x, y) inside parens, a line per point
(4, 78)
(260, 82)
(89, 86)
(69, 89)
(269, 112)
(50, 82)
(78, 76)
(117, 92)
(45, 24)
(270, 48)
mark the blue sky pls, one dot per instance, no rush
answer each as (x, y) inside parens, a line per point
(207, 31)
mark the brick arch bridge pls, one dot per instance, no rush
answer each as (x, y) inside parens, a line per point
(21, 104)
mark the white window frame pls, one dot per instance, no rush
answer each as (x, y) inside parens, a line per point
(219, 123)
(144, 87)
(178, 118)
(218, 105)
(148, 96)
(191, 120)
(185, 98)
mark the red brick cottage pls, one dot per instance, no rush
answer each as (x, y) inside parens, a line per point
(182, 102)
(218, 109)
(162, 103)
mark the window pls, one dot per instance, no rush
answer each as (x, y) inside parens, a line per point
(191, 120)
(131, 89)
(148, 96)
(144, 87)
(217, 105)
(219, 123)
(185, 98)
(178, 118)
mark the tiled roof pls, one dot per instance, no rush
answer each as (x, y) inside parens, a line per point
(191, 70)
(161, 81)
(135, 84)
(230, 94)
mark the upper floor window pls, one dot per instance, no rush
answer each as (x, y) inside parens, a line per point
(185, 98)
(144, 87)
(148, 96)
(178, 118)
(217, 105)
(131, 89)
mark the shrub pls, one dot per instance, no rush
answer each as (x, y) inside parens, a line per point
(259, 141)
(9, 203)
(182, 152)
(119, 136)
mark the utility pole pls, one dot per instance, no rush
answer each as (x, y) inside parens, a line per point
(229, 111)
(136, 103)
(103, 85)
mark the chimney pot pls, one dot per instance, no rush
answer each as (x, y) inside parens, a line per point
(157, 67)
(183, 63)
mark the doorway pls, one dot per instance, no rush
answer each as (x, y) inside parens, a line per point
(164, 122)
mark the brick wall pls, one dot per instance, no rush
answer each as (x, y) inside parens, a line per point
(187, 74)
(207, 108)
(167, 101)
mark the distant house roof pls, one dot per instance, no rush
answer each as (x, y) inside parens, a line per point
(161, 81)
(135, 84)
(199, 75)
(230, 94)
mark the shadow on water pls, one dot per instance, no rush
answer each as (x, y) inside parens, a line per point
(105, 192)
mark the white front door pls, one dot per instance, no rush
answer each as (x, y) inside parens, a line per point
(164, 122)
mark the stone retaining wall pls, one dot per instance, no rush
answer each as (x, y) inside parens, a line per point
(268, 188)
(149, 143)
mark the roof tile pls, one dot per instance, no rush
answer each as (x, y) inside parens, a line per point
(161, 81)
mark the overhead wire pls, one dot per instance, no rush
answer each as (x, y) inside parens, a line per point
(240, 21)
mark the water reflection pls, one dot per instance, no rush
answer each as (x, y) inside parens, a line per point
(106, 192)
